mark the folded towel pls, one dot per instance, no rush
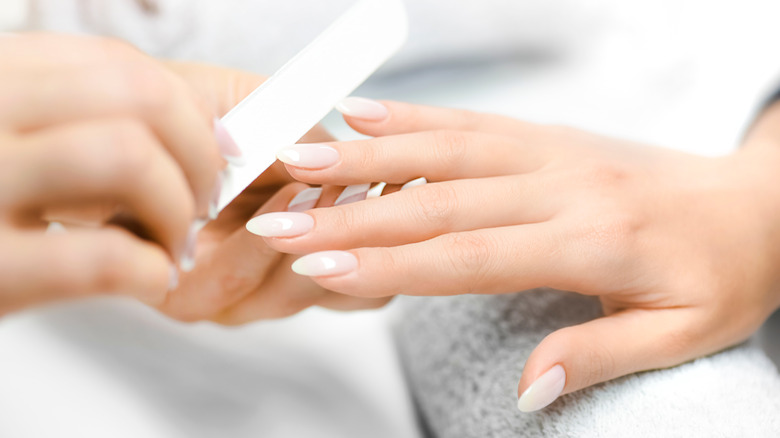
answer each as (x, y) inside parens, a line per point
(464, 355)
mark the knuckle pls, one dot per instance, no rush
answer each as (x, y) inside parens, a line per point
(469, 255)
(131, 153)
(597, 173)
(436, 204)
(149, 90)
(450, 147)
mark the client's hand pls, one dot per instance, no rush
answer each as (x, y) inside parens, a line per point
(238, 278)
(683, 251)
(93, 131)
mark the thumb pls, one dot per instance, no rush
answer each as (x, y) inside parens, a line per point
(626, 342)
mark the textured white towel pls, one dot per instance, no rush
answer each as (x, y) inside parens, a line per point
(464, 355)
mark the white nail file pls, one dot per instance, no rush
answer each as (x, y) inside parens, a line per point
(300, 94)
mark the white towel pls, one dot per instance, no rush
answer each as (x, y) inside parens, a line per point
(464, 355)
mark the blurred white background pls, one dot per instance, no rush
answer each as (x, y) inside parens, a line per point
(686, 74)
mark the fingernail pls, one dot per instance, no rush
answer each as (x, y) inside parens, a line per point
(214, 204)
(306, 200)
(309, 156)
(227, 146)
(56, 228)
(362, 108)
(187, 262)
(325, 263)
(543, 391)
(352, 194)
(280, 224)
(173, 278)
(414, 183)
(376, 191)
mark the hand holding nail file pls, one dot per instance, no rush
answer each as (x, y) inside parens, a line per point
(301, 93)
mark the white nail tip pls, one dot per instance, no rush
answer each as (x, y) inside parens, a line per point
(545, 390)
(326, 263)
(283, 224)
(352, 193)
(376, 191)
(56, 228)
(307, 197)
(414, 183)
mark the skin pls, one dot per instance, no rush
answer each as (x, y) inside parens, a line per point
(120, 148)
(683, 251)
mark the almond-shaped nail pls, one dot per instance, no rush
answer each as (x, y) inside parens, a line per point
(187, 262)
(325, 263)
(309, 156)
(362, 108)
(214, 204)
(545, 390)
(305, 200)
(376, 191)
(354, 193)
(283, 224)
(227, 146)
(414, 183)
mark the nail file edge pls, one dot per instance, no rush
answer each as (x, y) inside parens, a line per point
(286, 106)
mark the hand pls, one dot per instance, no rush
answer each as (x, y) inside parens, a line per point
(93, 130)
(238, 278)
(683, 251)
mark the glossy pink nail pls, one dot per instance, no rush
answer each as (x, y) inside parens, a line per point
(545, 390)
(362, 108)
(309, 156)
(353, 193)
(326, 263)
(283, 224)
(227, 146)
(305, 200)
(414, 183)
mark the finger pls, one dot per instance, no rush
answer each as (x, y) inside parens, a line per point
(107, 160)
(233, 269)
(413, 215)
(435, 155)
(346, 303)
(119, 82)
(382, 118)
(283, 294)
(37, 267)
(496, 260)
(603, 349)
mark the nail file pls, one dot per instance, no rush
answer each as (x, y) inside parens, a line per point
(303, 91)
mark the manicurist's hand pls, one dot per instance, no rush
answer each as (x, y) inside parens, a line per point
(94, 133)
(683, 251)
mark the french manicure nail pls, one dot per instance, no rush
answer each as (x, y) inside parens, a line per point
(309, 156)
(173, 277)
(362, 108)
(353, 193)
(187, 262)
(214, 204)
(326, 263)
(545, 389)
(306, 200)
(280, 224)
(227, 146)
(376, 191)
(414, 183)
